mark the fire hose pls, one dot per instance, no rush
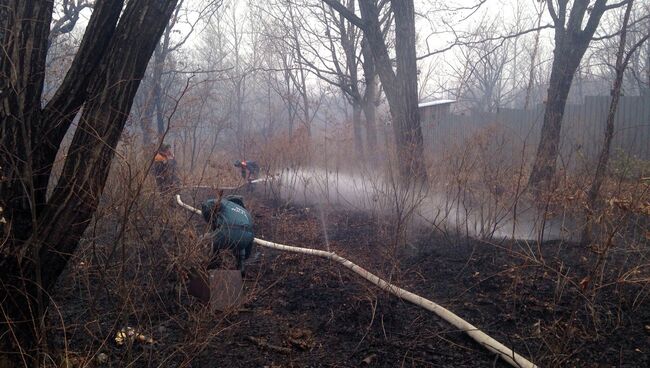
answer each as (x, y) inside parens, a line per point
(506, 353)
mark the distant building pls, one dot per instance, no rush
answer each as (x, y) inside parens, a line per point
(432, 111)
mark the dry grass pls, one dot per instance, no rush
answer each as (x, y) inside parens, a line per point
(129, 269)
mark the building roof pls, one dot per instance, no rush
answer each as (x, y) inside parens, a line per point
(435, 103)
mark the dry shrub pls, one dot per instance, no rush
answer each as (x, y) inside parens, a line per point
(130, 266)
(484, 184)
(129, 272)
(286, 152)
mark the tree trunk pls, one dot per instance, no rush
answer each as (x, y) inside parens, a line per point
(572, 37)
(563, 70)
(400, 86)
(289, 97)
(4, 20)
(370, 114)
(369, 100)
(27, 24)
(646, 90)
(356, 125)
(150, 109)
(410, 141)
(603, 157)
(42, 235)
(349, 75)
(158, 100)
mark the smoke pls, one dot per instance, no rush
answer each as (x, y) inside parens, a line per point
(477, 216)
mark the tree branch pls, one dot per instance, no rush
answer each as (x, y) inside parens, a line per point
(60, 110)
(469, 43)
(617, 5)
(351, 17)
(594, 19)
(551, 10)
(633, 49)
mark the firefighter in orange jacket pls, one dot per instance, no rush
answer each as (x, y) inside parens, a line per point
(164, 168)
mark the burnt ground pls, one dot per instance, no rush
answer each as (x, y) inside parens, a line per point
(302, 311)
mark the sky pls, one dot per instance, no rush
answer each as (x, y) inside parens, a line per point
(439, 23)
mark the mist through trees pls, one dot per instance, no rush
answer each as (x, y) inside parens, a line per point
(410, 91)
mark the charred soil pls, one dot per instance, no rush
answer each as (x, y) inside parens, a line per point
(300, 311)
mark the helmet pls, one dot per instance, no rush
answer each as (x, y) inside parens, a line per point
(165, 147)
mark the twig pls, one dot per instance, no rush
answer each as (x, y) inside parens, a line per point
(261, 342)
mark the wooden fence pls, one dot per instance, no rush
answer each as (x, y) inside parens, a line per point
(582, 133)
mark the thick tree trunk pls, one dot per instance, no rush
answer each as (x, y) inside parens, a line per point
(410, 141)
(572, 37)
(565, 65)
(21, 197)
(370, 114)
(4, 20)
(400, 85)
(356, 125)
(369, 100)
(42, 236)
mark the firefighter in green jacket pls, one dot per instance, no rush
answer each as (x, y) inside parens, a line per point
(232, 228)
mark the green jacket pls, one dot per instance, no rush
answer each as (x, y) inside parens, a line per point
(232, 226)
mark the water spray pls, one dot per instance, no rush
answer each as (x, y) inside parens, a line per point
(376, 193)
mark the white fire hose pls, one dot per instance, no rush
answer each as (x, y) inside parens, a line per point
(506, 353)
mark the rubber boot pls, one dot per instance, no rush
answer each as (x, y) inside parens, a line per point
(240, 261)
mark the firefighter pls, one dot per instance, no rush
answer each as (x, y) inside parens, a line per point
(164, 168)
(232, 229)
(250, 170)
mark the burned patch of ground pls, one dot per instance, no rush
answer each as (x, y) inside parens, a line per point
(307, 312)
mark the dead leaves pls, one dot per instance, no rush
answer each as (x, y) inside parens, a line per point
(369, 359)
(299, 338)
(636, 207)
(129, 334)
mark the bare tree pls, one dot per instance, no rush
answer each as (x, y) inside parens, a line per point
(574, 29)
(399, 85)
(622, 60)
(637, 76)
(70, 12)
(280, 32)
(533, 56)
(340, 66)
(483, 69)
(41, 234)
(345, 65)
(156, 90)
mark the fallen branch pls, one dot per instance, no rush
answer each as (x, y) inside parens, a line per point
(506, 353)
(261, 342)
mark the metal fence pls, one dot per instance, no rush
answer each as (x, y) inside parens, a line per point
(582, 133)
